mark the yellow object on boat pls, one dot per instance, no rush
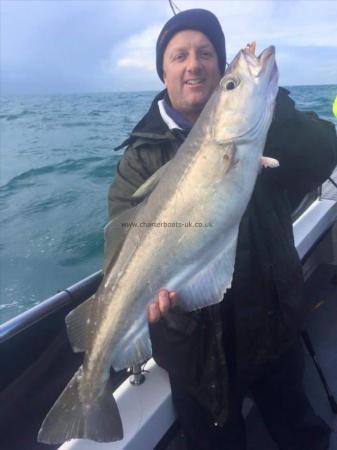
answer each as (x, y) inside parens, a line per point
(334, 107)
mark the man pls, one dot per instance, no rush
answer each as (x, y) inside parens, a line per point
(249, 342)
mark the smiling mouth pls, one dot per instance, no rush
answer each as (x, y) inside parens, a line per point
(194, 82)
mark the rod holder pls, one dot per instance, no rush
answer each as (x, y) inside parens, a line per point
(137, 376)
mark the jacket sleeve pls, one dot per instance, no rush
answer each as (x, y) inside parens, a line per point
(129, 176)
(132, 172)
(135, 167)
(304, 144)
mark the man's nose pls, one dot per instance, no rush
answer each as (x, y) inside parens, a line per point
(194, 63)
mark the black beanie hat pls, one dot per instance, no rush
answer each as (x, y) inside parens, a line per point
(192, 19)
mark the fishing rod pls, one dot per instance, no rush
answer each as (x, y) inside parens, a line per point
(310, 349)
(312, 353)
(173, 7)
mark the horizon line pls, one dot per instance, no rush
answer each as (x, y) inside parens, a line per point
(40, 94)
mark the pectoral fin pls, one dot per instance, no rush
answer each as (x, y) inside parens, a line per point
(145, 189)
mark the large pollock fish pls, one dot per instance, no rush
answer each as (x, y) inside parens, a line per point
(210, 180)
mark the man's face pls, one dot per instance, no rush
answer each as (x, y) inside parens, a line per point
(191, 72)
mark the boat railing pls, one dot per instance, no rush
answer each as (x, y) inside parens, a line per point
(71, 296)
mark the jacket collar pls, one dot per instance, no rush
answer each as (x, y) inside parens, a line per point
(151, 126)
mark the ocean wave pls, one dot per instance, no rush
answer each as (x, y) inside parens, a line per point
(40, 206)
(81, 247)
(96, 138)
(28, 178)
(25, 112)
(104, 170)
(84, 124)
(75, 124)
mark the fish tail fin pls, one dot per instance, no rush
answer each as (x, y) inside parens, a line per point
(70, 418)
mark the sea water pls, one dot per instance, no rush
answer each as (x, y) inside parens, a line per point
(57, 163)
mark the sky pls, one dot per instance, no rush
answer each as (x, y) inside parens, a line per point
(82, 46)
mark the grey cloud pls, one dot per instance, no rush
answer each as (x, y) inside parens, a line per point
(59, 45)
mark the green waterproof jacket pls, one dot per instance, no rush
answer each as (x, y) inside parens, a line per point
(263, 311)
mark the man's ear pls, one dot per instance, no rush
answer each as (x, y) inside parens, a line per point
(164, 78)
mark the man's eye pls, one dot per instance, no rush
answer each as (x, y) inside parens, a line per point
(179, 57)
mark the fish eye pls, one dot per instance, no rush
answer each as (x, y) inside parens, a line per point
(229, 84)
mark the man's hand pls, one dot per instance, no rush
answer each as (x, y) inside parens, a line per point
(165, 301)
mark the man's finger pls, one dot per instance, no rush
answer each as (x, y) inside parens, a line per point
(153, 313)
(164, 301)
(173, 298)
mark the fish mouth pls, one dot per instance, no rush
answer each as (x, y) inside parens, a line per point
(259, 66)
(267, 59)
(273, 75)
(269, 67)
(262, 66)
(261, 60)
(267, 53)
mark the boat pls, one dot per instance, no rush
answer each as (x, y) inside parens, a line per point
(37, 360)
